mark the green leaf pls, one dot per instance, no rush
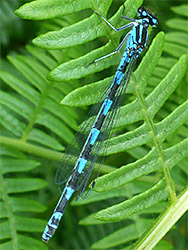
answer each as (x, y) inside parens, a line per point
(21, 205)
(24, 243)
(178, 24)
(138, 203)
(177, 37)
(181, 10)
(31, 243)
(23, 185)
(12, 165)
(121, 236)
(10, 206)
(44, 9)
(155, 209)
(29, 224)
(21, 87)
(10, 122)
(146, 165)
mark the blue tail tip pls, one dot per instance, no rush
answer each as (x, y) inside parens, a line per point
(45, 237)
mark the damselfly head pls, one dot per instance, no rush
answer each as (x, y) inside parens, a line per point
(144, 13)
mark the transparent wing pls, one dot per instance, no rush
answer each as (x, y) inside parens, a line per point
(71, 156)
(72, 153)
(106, 130)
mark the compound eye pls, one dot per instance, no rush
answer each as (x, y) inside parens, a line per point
(140, 10)
(154, 22)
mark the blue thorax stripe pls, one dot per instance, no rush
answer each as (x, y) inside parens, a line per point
(140, 34)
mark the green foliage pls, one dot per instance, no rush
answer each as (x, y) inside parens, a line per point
(34, 121)
(15, 209)
(148, 145)
(10, 23)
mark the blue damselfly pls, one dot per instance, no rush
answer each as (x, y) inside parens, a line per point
(81, 169)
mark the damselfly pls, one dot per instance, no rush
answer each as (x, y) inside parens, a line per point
(81, 169)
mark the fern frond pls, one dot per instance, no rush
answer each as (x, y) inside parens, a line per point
(156, 136)
(155, 119)
(84, 31)
(14, 207)
(34, 121)
(36, 101)
(176, 41)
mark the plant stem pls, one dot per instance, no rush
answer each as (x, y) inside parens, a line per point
(164, 223)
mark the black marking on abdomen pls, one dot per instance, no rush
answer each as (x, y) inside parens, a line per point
(100, 121)
(113, 91)
(62, 206)
(124, 67)
(87, 150)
